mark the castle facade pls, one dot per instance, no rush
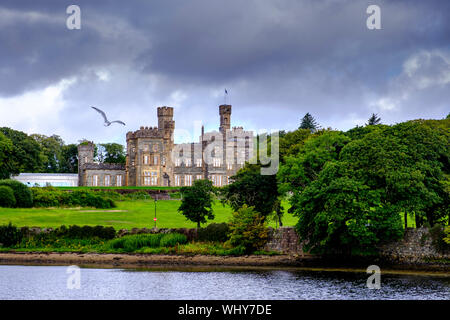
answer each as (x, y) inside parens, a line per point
(153, 159)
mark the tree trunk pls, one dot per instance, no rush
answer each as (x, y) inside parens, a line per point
(406, 220)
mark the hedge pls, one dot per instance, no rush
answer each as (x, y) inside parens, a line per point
(7, 199)
(23, 195)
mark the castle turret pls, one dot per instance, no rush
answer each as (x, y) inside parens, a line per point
(225, 117)
(85, 155)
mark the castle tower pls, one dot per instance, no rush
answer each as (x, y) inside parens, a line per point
(85, 155)
(225, 117)
(165, 118)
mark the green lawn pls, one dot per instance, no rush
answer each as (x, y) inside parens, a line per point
(128, 214)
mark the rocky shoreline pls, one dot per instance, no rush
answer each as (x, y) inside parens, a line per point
(167, 262)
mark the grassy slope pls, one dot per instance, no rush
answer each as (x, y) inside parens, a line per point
(138, 214)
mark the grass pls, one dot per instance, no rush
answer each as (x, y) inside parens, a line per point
(127, 215)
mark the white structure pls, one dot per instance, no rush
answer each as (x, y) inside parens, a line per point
(44, 179)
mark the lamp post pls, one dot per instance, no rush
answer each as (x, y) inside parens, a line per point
(154, 219)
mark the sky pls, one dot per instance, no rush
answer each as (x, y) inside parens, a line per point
(278, 60)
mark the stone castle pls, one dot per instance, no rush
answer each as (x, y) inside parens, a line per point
(153, 159)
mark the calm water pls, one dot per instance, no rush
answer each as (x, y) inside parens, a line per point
(50, 282)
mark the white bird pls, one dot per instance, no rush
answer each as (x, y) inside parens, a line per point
(107, 122)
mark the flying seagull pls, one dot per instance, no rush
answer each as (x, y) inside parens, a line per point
(107, 122)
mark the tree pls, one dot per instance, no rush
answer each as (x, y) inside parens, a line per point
(248, 229)
(26, 154)
(308, 122)
(51, 152)
(349, 195)
(196, 203)
(69, 159)
(111, 153)
(374, 120)
(249, 187)
(7, 165)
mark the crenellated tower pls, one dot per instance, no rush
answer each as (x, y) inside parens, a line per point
(225, 117)
(85, 155)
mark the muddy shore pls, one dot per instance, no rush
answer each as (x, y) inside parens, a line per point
(195, 262)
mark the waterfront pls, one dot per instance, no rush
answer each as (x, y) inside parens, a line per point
(50, 282)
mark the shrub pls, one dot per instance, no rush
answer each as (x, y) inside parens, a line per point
(134, 242)
(10, 235)
(24, 198)
(84, 232)
(7, 198)
(214, 232)
(172, 239)
(438, 236)
(248, 229)
(52, 197)
(447, 233)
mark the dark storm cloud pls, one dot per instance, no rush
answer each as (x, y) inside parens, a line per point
(281, 59)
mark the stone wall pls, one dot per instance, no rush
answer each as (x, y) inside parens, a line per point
(284, 240)
(416, 246)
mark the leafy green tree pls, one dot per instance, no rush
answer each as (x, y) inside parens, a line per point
(292, 142)
(309, 123)
(374, 120)
(349, 195)
(197, 200)
(7, 165)
(69, 159)
(249, 187)
(51, 152)
(26, 154)
(248, 229)
(111, 153)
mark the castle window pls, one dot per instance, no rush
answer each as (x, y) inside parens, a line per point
(177, 162)
(199, 177)
(146, 159)
(177, 180)
(85, 159)
(95, 180)
(155, 147)
(119, 180)
(163, 161)
(188, 180)
(147, 178)
(216, 162)
(107, 180)
(199, 163)
(230, 166)
(155, 160)
(154, 178)
(188, 162)
(216, 180)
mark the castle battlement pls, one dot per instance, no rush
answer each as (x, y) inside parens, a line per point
(144, 132)
(165, 111)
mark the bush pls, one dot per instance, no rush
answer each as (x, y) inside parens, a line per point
(438, 236)
(52, 197)
(85, 232)
(24, 198)
(134, 242)
(172, 239)
(10, 235)
(214, 232)
(7, 199)
(248, 229)
(447, 235)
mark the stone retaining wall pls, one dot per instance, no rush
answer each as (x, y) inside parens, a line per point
(416, 246)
